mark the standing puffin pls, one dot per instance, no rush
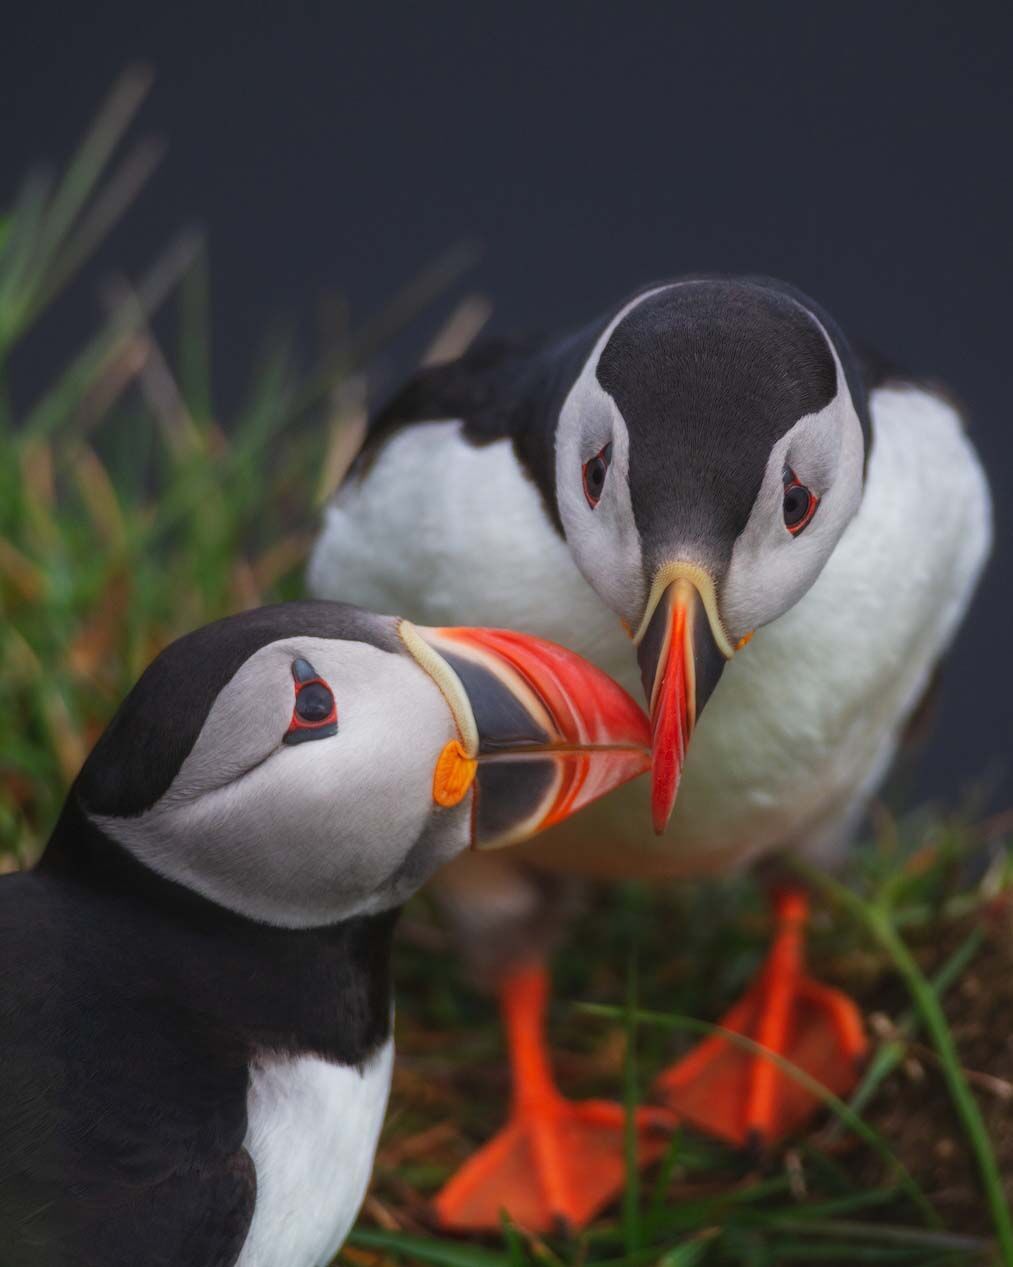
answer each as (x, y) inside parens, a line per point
(195, 1007)
(709, 490)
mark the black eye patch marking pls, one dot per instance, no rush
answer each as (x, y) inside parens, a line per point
(303, 671)
(314, 714)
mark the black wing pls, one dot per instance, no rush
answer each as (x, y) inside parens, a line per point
(499, 389)
(485, 388)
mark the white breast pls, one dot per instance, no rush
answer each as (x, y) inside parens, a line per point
(804, 721)
(312, 1132)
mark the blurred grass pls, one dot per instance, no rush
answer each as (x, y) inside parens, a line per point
(131, 511)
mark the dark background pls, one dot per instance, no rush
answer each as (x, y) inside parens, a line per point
(862, 151)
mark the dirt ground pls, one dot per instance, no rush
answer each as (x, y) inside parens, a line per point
(913, 1110)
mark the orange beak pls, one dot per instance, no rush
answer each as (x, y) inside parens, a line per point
(546, 732)
(682, 651)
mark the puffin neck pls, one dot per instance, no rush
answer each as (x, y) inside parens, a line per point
(325, 991)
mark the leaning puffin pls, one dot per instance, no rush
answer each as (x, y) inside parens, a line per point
(195, 1006)
(710, 490)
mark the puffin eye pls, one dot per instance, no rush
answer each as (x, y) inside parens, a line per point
(314, 703)
(799, 504)
(314, 715)
(595, 470)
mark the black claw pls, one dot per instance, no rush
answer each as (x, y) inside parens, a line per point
(562, 1228)
(755, 1147)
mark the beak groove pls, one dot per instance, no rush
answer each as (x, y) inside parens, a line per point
(548, 733)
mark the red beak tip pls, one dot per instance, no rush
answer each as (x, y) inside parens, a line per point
(661, 817)
(663, 800)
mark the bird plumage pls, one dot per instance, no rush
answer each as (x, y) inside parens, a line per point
(196, 1009)
(312, 1127)
(710, 486)
(132, 1011)
(807, 717)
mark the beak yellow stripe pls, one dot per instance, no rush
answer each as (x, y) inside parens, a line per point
(704, 585)
(448, 682)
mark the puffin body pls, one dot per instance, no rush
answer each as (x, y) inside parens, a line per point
(196, 1012)
(182, 1087)
(806, 719)
(711, 495)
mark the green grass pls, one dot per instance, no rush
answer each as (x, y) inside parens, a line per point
(877, 918)
(865, 1197)
(703, 1201)
(131, 511)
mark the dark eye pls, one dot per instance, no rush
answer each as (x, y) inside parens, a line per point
(314, 703)
(595, 470)
(800, 502)
(314, 715)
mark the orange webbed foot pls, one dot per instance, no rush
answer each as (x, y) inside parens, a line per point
(551, 1168)
(742, 1096)
(556, 1162)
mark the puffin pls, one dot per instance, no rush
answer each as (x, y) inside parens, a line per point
(196, 1007)
(774, 534)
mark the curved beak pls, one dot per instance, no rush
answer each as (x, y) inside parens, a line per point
(542, 732)
(682, 649)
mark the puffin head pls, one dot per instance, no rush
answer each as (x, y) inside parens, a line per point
(303, 763)
(709, 455)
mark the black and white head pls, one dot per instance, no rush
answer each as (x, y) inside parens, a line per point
(303, 763)
(708, 456)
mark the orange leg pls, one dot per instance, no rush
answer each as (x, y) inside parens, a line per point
(556, 1162)
(743, 1096)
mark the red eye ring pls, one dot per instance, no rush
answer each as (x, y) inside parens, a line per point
(594, 471)
(314, 713)
(793, 485)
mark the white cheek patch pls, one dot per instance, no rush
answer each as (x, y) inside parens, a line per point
(770, 569)
(312, 832)
(603, 539)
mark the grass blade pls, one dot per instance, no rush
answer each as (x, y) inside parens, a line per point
(427, 1249)
(691, 1253)
(632, 1229)
(926, 1000)
(94, 153)
(891, 1053)
(110, 206)
(888, 1233)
